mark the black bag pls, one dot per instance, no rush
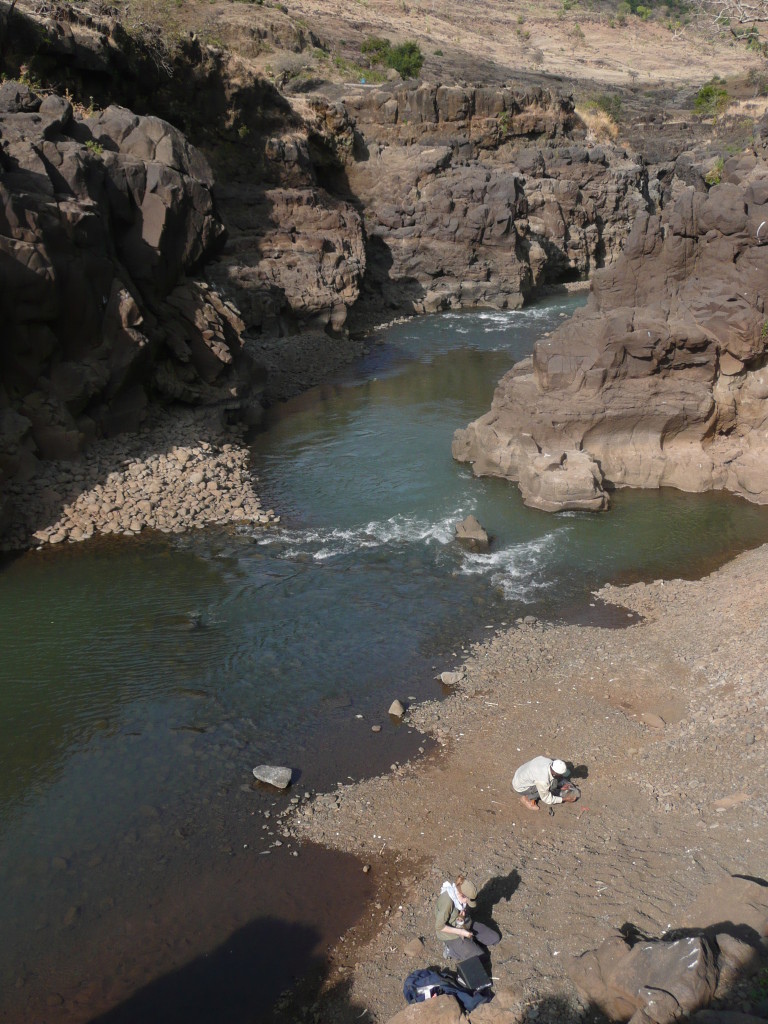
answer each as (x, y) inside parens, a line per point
(473, 974)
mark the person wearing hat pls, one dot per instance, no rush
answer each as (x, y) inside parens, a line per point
(454, 926)
(539, 779)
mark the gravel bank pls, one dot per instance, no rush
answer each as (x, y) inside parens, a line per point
(186, 471)
(665, 722)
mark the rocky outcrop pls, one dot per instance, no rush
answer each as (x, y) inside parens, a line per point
(471, 535)
(103, 220)
(478, 197)
(651, 981)
(663, 979)
(662, 378)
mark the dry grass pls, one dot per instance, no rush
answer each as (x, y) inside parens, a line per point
(754, 109)
(600, 126)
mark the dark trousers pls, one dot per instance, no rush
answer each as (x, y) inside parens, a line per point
(462, 949)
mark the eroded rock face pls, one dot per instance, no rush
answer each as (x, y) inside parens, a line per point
(477, 197)
(103, 222)
(662, 378)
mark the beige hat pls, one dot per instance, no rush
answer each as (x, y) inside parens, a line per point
(469, 889)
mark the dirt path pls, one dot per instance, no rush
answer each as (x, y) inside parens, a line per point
(665, 719)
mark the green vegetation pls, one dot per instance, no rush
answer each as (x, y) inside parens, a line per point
(349, 69)
(759, 991)
(715, 174)
(94, 147)
(758, 80)
(712, 98)
(406, 58)
(610, 105)
(675, 13)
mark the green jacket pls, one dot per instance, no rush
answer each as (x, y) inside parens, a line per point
(446, 913)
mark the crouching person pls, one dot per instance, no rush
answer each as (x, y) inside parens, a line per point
(543, 779)
(454, 926)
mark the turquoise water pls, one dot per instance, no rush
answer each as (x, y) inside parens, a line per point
(143, 678)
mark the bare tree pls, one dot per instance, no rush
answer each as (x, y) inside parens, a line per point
(744, 12)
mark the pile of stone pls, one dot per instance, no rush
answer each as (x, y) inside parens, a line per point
(165, 479)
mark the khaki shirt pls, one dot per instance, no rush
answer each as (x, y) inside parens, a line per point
(447, 914)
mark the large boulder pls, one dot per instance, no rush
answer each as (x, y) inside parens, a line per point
(563, 482)
(659, 980)
(470, 534)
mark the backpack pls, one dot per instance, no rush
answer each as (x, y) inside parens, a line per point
(425, 983)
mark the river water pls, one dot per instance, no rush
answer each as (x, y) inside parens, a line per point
(142, 678)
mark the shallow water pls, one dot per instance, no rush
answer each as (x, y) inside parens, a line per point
(143, 678)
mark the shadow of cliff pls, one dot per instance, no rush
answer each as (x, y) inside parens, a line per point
(240, 982)
(234, 984)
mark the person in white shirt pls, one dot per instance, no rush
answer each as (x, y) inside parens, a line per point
(539, 779)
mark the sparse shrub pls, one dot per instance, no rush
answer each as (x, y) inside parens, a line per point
(438, 53)
(376, 48)
(610, 105)
(712, 98)
(406, 58)
(577, 35)
(758, 81)
(643, 12)
(94, 147)
(289, 65)
(715, 174)
(600, 126)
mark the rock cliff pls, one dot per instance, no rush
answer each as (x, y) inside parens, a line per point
(478, 197)
(132, 279)
(103, 221)
(661, 379)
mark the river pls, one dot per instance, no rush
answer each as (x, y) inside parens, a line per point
(142, 678)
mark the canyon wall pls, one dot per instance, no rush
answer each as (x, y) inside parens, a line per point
(662, 378)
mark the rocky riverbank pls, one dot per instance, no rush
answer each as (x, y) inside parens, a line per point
(665, 724)
(186, 471)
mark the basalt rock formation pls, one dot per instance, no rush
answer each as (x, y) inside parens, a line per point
(125, 284)
(104, 221)
(478, 197)
(662, 378)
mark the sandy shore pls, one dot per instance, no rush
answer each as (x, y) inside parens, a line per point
(186, 471)
(666, 721)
